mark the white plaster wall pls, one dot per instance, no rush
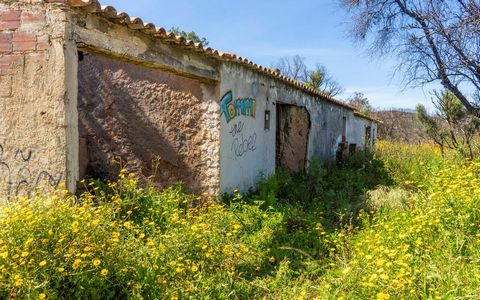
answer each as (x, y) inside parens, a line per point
(356, 130)
(246, 148)
(242, 171)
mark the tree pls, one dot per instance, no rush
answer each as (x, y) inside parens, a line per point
(436, 41)
(293, 67)
(361, 103)
(432, 128)
(318, 78)
(451, 127)
(400, 125)
(190, 36)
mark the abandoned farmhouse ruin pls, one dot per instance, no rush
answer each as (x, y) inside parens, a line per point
(86, 90)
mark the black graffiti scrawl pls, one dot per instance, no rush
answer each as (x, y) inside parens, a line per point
(17, 177)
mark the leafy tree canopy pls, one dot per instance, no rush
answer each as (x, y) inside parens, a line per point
(190, 36)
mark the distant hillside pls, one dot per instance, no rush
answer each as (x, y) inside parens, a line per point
(400, 125)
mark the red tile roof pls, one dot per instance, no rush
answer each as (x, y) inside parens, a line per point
(110, 13)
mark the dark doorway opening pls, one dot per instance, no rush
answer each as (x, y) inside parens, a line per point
(293, 128)
(368, 138)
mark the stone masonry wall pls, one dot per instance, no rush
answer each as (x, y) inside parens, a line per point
(33, 100)
(148, 121)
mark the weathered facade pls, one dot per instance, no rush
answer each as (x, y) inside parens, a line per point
(85, 91)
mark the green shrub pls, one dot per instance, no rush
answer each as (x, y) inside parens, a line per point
(126, 242)
(401, 224)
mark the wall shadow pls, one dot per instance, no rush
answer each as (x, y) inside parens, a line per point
(141, 119)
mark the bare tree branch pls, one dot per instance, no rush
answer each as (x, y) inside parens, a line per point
(434, 41)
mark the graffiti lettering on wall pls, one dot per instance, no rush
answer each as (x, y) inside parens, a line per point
(236, 128)
(232, 108)
(242, 143)
(16, 177)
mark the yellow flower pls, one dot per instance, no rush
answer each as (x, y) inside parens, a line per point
(42, 296)
(104, 272)
(271, 259)
(384, 277)
(25, 254)
(96, 262)
(194, 268)
(18, 282)
(42, 263)
(60, 270)
(75, 226)
(76, 263)
(383, 296)
(127, 225)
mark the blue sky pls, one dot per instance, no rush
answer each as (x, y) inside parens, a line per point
(266, 30)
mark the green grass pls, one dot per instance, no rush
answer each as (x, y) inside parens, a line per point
(401, 224)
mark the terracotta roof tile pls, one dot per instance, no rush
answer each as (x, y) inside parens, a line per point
(92, 6)
(110, 13)
(77, 3)
(160, 31)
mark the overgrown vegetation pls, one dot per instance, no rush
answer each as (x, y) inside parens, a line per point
(190, 35)
(452, 127)
(402, 224)
(400, 126)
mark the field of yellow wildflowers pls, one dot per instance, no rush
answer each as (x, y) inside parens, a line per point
(402, 224)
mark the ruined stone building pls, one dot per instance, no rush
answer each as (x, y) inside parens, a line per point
(86, 90)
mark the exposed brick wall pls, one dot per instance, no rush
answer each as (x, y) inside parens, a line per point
(32, 97)
(19, 36)
(18, 30)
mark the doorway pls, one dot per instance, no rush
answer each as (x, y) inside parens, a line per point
(293, 128)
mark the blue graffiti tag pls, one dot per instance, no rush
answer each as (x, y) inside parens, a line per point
(238, 107)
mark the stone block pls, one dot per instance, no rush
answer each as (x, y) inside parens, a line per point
(42, 42)
(32, 21)
(5, 86)
(8, 62)
(10, 19)
(24, 41)
(5, 42)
